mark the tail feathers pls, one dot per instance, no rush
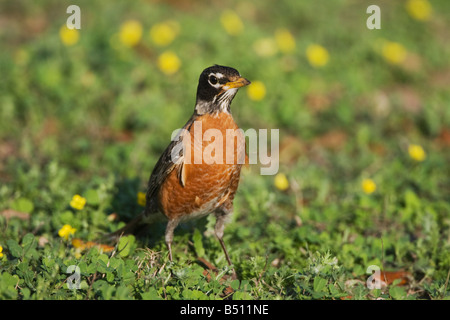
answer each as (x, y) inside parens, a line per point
(135, 226)
(130, 228)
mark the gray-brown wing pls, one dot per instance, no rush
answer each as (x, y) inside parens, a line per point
(170, 160)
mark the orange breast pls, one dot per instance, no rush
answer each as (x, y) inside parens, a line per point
(212, 165)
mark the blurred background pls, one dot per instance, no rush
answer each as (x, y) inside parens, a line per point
(107, 97)
(364, 115)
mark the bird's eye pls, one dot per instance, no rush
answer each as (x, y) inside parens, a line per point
(213, 80)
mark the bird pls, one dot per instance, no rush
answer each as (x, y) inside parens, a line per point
(180, 187)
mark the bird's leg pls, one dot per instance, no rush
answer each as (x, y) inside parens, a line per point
(222, 214)
(171, 225)
(225, 251)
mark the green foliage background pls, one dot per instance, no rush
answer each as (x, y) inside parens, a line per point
(91, 119)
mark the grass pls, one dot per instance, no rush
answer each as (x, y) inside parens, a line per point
(92, 119)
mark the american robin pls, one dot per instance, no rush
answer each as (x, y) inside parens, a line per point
(183, 185)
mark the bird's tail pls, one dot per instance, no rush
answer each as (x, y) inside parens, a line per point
(130, 228)
(135, 226)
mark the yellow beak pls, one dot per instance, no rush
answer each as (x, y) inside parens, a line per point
(240, 82)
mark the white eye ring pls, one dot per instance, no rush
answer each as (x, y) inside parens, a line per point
(213, 79)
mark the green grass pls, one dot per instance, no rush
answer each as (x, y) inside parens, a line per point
(91, 119)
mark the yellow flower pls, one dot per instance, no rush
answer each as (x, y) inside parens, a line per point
(78, 202)
(1, 250)
(256, 91)
(285, 40)
(393, 52)
(141, 200)
(368, 186)
(231, 22)
(317, 55)
(162, 34)
(130, 33)
(168, 62)
(66, 231)
(265, 47)
(281, 182)
(69, 37)
(419, 9)
(416, 152)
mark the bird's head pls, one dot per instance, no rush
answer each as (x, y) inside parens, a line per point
(217, 87)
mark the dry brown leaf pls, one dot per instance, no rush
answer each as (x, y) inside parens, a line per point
(412, 63)
(318, 102)
(10, 213)
(109, 134)
(36, 24)
(291, 148)
(80, 244)
(387, 278)
(50, 127)
(7, 149)
(334, 139)
(322, 99)
(440, 79)
(410, 99)
(207, 273)
(444, 138)
(390, 276)
(378, 149)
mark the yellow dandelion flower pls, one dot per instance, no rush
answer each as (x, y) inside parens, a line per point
(66, 231)
(419, 9)
(285, 40)
(317, 55)
(1, 252)
(256, 91)
(69, 37)
(168, 62)
(130, 33)
(265, 47)
(141, 200)
(368, 186)
(416, 152)
(393, 52)
(231, 22)
(162, 34)
(78, 202)
(281, 182)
